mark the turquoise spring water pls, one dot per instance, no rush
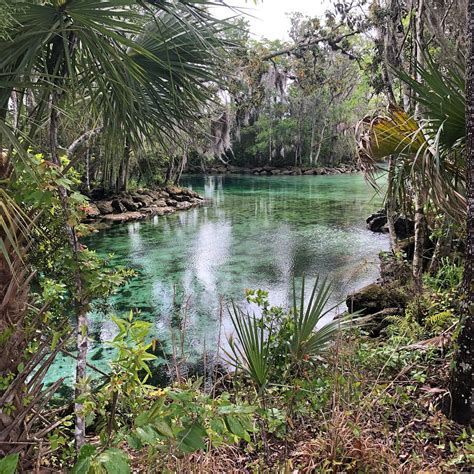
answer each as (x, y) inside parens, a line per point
(252, 232)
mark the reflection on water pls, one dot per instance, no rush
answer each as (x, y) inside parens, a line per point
(254, 232)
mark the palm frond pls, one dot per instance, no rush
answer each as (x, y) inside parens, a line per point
(442, 97)
(308, 339)
(251, 353)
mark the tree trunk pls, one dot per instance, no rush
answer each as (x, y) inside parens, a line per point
(182, 165)
(126, 166)
(419, 51)
(88, 170)
(170, 171)
(443, 246)
(79, 303)
(311, 146)
(391, 204)
(461, 376)
(420, 237)
(270, 146)
(320, 144)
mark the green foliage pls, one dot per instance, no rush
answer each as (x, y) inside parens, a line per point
(181, 419)
(9, 463)
(462, 450)
(110, 461)
(448, 277)
(443, 97)
(391, 356)
(187, 420)
(252, 354)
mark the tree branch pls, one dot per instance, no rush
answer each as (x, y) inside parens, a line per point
(85, 137)
(332, 42)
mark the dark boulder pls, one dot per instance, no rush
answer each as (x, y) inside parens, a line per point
(160, 203)
(404, 228)
(190, 193)
(181, 197)
(105, 207)
(378, 224)
(142, 199)
(129, 204)
(118, 207)
(374, 298)
(379, 302)
(377, 221)
(171, 202)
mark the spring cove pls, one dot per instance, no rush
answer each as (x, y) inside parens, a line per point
(252, 232)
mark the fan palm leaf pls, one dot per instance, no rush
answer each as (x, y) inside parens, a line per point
(139, 71)
(251, 353)
(308, 339)
(428, 151)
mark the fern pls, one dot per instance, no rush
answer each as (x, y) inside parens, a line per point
(440, 321)
(404, 325)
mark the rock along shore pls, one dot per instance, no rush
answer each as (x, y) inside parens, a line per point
(275, 171)
(142, 204)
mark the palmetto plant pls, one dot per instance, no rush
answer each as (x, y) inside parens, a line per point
(251, 353)
(428, 151)
(254, 352)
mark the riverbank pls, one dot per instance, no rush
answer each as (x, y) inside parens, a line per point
(269, 170)
(142, 204)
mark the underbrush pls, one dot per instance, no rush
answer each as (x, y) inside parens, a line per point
(299, 399)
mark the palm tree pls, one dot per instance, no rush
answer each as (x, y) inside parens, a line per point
(432, 151)
(138, 66)
(427, 154)
(461, 377)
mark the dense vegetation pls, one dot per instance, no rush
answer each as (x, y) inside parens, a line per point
(110, 95)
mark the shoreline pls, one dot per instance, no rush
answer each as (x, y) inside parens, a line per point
(268, 170)
(141, 204)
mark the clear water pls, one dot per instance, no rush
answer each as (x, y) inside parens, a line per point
(253, 232)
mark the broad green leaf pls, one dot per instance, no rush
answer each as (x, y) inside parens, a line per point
(9, 463)
(84, 460)
(192, 438)
(115, 461)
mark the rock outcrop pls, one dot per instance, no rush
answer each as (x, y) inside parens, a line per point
(404, 227)
(141, 204)
(379, 302)
(374, 298)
